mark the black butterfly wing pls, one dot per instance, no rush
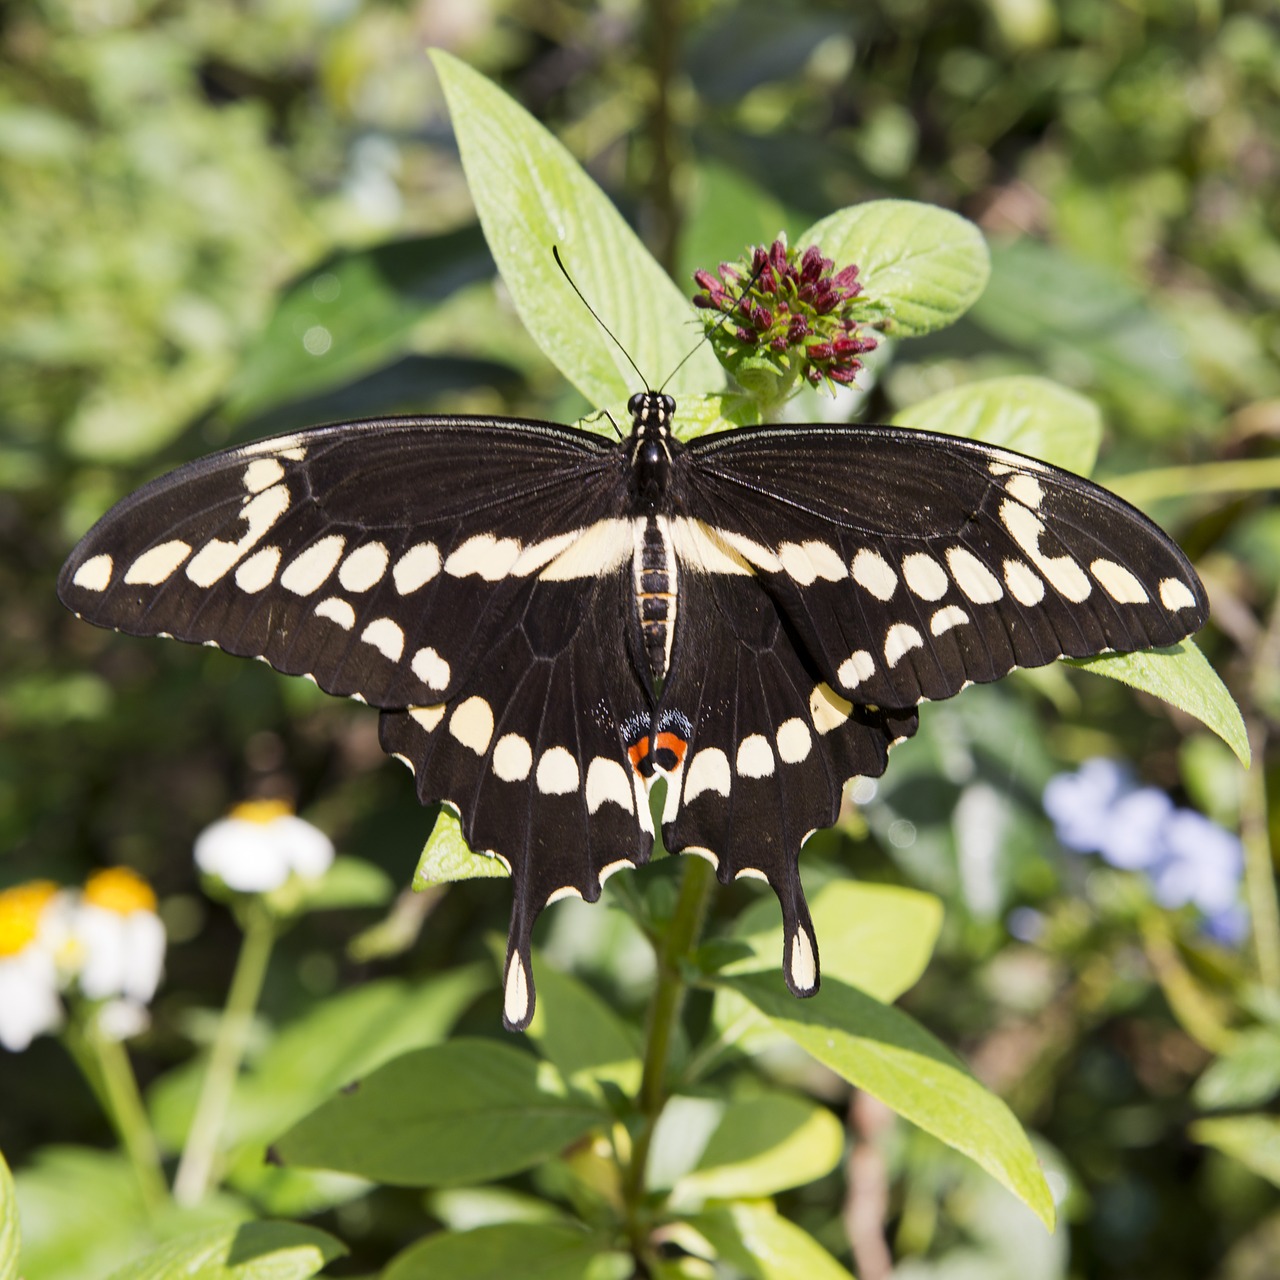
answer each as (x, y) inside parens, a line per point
(910, 564)
(842, 575)
(468, 576)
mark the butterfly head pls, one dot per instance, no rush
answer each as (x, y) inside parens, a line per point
(651, 412)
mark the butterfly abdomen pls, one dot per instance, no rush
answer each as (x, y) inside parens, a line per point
(656, 583)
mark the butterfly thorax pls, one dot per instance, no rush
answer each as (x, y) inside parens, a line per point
(653, 565)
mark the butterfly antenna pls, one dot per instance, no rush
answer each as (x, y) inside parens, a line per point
(555, 253)
(725, 317)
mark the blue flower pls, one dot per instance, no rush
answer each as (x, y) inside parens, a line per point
(1188, 858)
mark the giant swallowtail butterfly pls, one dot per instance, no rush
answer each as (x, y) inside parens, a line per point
(549, 620)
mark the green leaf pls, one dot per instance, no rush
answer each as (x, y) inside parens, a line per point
(875, 937)
(927, 263)
(466, 1111)
(353, 313)
(764, 1145)
(1180, 675)
(1253, 1140)
(762, 1245)
(340, 1040)
(880, 1049)
(447, 856)
(349, 882)
(532, 195)
(252, 1251)
(538, 1251)
(1032, 415)
(1247, 1075)
(10, 1233)
(581, 1036)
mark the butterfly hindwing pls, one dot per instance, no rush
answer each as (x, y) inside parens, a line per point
(909, 564)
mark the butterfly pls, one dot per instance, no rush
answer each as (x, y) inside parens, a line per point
(549, 620)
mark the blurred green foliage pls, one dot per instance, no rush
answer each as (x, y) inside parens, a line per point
(222, 220)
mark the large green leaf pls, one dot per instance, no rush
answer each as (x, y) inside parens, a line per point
(1032, 415)
(466, 1111)
(340, 1040)
(251, 1251)
(447, 856)
(532, 195)
(882, 1050)
(536, 1250)
(762, 1245)
(763, 1145)
(10, 1234)
(928, 264)
(1180, 675)
(579, 1033)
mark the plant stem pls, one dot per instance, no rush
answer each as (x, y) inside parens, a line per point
(1259, 869)
(117, 1087)
(664, 37)
(196, 1166)
(664, 1015)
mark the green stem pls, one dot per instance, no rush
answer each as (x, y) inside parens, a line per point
(664, 1016)
(195, 1169)
(1142, 487)
(110, 1074)
(1259, 868)
(665, 18)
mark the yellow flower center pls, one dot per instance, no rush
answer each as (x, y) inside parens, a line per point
(20, 910)
(120, 890)
(262, 812)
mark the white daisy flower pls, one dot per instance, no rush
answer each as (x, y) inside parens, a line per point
(29, 1003)
(259, 845)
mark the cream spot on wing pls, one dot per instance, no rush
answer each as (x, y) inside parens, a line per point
(1119, 583)
(338, 611)
(710, 550)
(607, 781)
(700, 851)
(1064, 575)
(753, 552)
(806, 562)
(153, 567)
(512, 758)
(416, 567)
(794, 740)
(925, 576)
(485, 556)
(539, 554)
(948, 616)
(216, 558)
(973, 577)
(515, 996)
(802, 964)
(871, 570)
(431, 669)
(472, 724)
(427, 717)
(386, 636)
(796, 563)
(259, 570)
(708, 771)
(565, 891)
(1175, 595)
(751, 873)
(557, 772)
(827, 561)
(827, 709)
(283, 446)
(1026, 489)
(362, 570)
(1024, 586)
(612, 868)
(261, 474)
(899, 640)
(856, 668)
(309, 571)
(592, 551)
(755, 756)
(95, 573)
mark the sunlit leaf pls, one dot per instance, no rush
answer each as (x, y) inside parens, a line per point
(447, 856)
(10, 1234)
(531, 195)
(250, 1251)
(1254, 1140)
(761, 1245)
(538, 1251)
(1181, 676)
(579, 1033)
(880, 1049)
(1032, 415)
(466, 1111)
(928, 264)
